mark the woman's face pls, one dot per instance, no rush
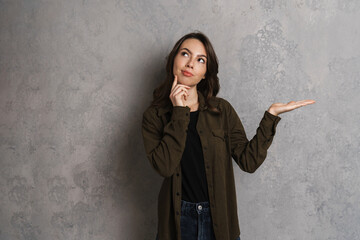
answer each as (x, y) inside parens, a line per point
(190, 62)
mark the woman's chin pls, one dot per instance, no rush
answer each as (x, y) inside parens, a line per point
(187, 82)
(183, 82)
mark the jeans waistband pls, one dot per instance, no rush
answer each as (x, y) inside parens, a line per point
(193, 209)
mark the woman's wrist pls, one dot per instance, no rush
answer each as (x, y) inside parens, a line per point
(270, 110)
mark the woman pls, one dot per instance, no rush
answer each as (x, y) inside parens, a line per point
(190, 137)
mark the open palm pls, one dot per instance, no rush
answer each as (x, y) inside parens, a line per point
(278, 108)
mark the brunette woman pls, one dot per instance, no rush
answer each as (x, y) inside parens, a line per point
(190, 138)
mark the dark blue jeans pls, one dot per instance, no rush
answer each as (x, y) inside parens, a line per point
(195, 221)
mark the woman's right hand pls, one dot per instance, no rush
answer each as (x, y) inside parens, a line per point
(178, 93)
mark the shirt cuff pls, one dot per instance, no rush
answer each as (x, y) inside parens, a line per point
(271, 116)
(270, 122)
(180, 113)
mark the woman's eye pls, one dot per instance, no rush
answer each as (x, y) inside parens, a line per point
(201, 60)
(184, 54)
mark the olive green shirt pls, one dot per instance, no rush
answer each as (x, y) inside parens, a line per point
(222, 138)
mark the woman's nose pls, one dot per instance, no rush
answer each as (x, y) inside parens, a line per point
(190, 63)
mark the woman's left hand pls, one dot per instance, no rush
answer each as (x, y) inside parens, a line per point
(278, 108)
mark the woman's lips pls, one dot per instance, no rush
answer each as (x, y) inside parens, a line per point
(187, 74)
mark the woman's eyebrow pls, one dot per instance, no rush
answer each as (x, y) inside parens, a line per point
(200, 55)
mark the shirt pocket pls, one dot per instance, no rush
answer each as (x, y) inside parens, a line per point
(218, 133)
(221, 142)
(218, 141)
(219, 149)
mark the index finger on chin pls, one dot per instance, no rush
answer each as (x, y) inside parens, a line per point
(174, 82)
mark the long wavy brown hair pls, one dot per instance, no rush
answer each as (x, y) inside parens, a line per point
(209, 86)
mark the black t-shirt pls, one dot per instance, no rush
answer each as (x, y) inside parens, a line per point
(194, 184)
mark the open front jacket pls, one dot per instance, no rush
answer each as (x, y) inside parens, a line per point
(222, 138)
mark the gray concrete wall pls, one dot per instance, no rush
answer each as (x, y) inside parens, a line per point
(76, 76)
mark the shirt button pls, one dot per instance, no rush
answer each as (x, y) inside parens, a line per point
(177, 174)
(199, 207)
(187, 114)
(205, 148)
(207, 166)
(178, 193)
(200, 131)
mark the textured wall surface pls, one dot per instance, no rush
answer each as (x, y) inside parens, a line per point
(76, 76)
